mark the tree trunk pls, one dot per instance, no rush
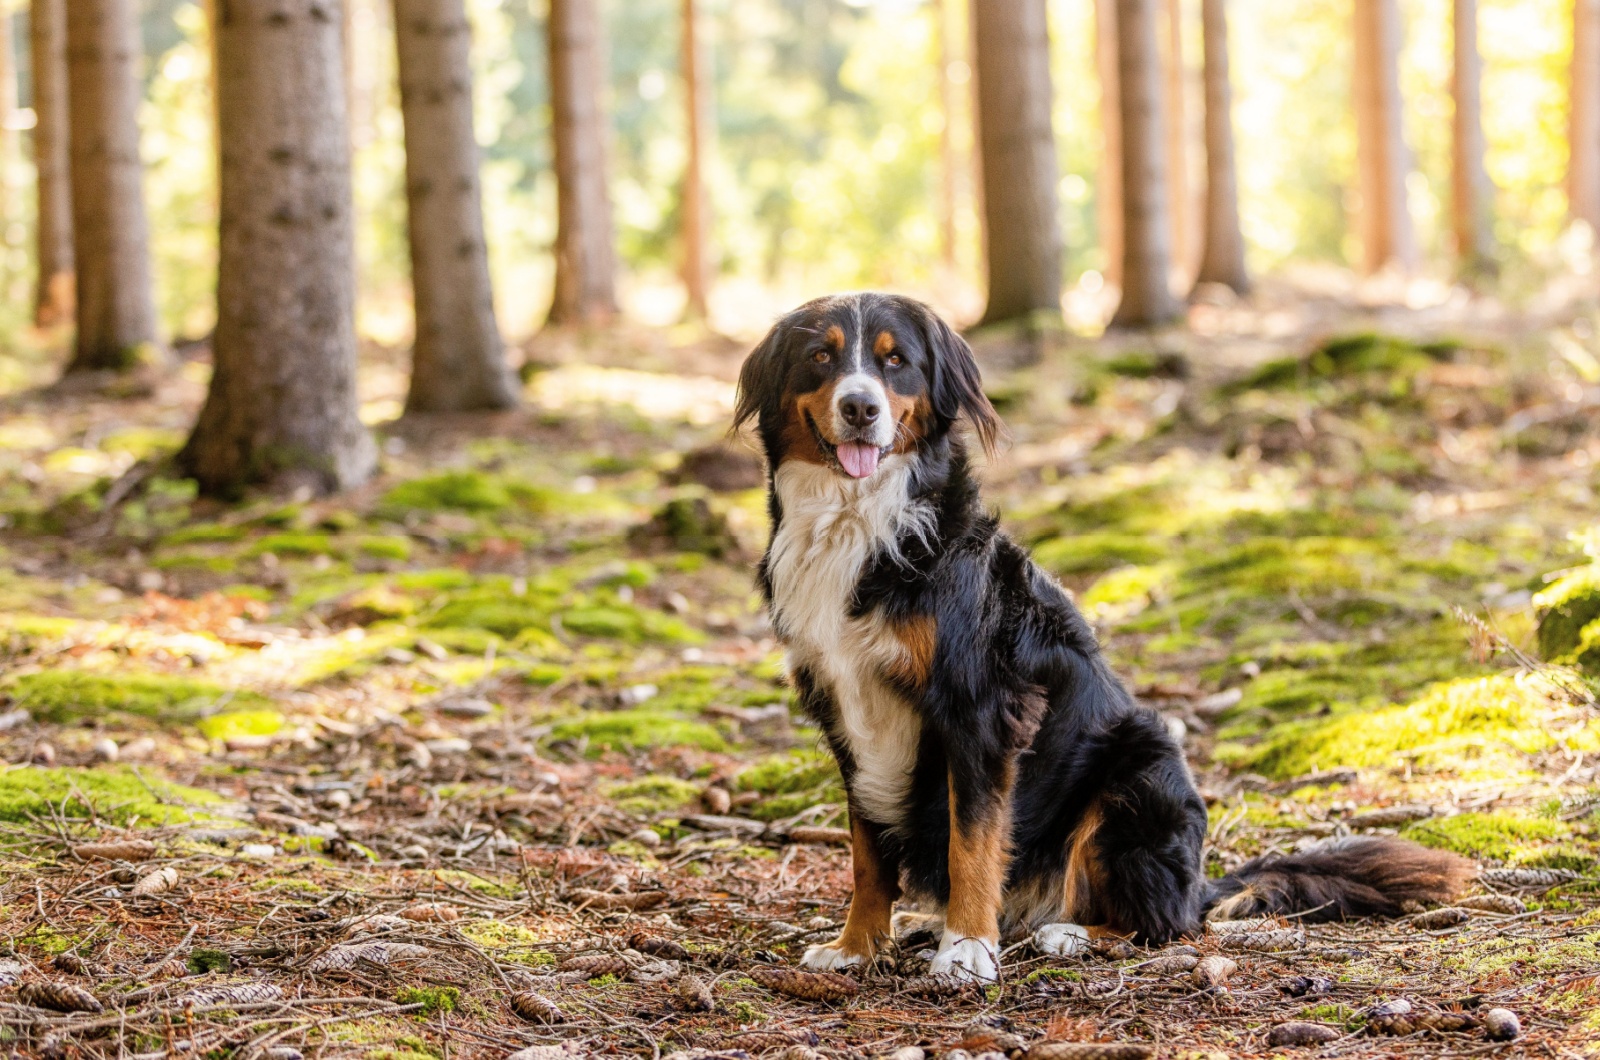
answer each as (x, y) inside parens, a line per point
(8, 113)
(947, 144)
(458, 363)
(1472, 199)
(697, 73)
(586, 263)
(1179, 206)
(1109, 204)
(1583, 133)
(53, 298)
(115, 308)
(1222, 259)
(1381, 155)
(282, 410)
(1147, 298)
(1017, 145)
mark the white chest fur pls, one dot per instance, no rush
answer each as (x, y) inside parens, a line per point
(831, 527)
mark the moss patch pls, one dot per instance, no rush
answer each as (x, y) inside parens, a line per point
(433, 999)
(631, 730)
(1496, 836)
(1566, 608)
(790, 783)
(466, 491)
(652, 794)
(236, 723)
(63, 696)
(114, 795)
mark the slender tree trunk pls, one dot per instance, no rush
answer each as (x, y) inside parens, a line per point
(1017, 143)
(53, 298)
(1222, 259)
(1109, 180)
(8, 113)
(1179, 205)
(458, 363)
(948, 163)
(115, 308)
(1583, 133)
(1472, 199)
(586, 264)
(1147, 298)
(282, 409)
(697, 86)
(1381, 155)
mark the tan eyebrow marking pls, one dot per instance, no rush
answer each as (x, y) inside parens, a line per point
(834, 336)
(884, 345)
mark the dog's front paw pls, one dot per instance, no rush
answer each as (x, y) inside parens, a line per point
(831, 957)
(1061, 940)
(968, 958)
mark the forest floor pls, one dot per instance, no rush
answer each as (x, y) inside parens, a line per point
(375, 766)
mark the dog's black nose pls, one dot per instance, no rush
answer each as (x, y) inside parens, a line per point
(858, 410)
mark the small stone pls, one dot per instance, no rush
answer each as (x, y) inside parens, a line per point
(138, 749)
(1501, 1025)
(449, 745)
(431, 650)
(1213, 971)
(646, 837)
(258, 850)
(43, 755)
(104, 749)
(465, 707)
(12, 718)
(717, 799)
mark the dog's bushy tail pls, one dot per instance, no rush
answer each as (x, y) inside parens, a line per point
(1350, 877)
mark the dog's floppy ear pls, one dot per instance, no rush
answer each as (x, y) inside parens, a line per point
(954, 383)
(761, 378)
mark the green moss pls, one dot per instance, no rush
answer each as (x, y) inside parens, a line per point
(1566, 608)
(1497, 836)
(1066, 975)
(511, 941)
(1468, 718)
(433, 999)
(628, 623)
(1353, 355)
(790, 783)
(203, 533)
(1086, 553)
(203, 960)
(688, 524)
(235, 723)
(297, 544)
(630, 730)
(22, 633)
(1587, 655)
(116, 795)
(63, 696)
(467, 491)
(652, 794)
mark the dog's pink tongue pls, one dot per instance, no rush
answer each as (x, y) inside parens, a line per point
(858, 460)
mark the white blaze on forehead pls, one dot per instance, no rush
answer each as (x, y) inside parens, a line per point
(856, 380)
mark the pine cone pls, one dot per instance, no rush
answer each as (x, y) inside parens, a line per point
(1438, 919)
(988, 1040)
(1090, 1051)
(72, 964)
(158, 882)
(1402, 1025)
(600, 900)
(937, 986)
(1527, 877)
(239, 994)
(1265, 941)
(123, 850)
(799, 1052)
(695, 995)
(1213, 971)
(809, 986)
(431, 911)
(1177, 964)
(1301, 1033)
(766, 1041)
(594, 965)
(536, 1008)
(59, 997)
(1242, 927)
(340, 958)
(657, 947)
(1494, 903)
(1112, 948)
(173, 969)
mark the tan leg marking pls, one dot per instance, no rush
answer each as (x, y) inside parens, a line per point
(979, 857)
(872, 904)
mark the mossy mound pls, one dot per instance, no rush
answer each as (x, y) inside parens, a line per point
(113, 795)
(1366, 354)
(1090, 553)
(790, 783)
(63, 696)
(1504, 837)
(687, 524)
(634, 730)
(1566, 608)
(465, 491)
(1454, 721)
(652, 794)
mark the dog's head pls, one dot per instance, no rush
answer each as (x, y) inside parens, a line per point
(845, 381)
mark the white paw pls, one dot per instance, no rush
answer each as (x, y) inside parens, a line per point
(1061, 940)
(829, 957)
(968, 957)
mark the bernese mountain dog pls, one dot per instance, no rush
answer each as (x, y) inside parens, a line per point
(997, 771)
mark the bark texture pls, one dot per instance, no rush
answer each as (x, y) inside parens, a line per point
(1180, 206)
(53, 295)
(115, 308)
(698, 126)
(458, 361)
(1147, 298)
(1109, 181)
(1472, 196)
(1583, 131)
(1222, 254)
(586, 261)
(282, 409)
(1382, 158)
(1017, 145)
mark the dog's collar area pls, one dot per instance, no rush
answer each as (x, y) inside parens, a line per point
(831, 451)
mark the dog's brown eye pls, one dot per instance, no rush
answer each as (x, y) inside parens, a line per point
(893, 360)
(822, 357)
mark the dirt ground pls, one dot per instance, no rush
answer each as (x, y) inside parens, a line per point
(379, 772)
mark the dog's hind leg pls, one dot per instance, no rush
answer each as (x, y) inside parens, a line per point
(868, 923)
